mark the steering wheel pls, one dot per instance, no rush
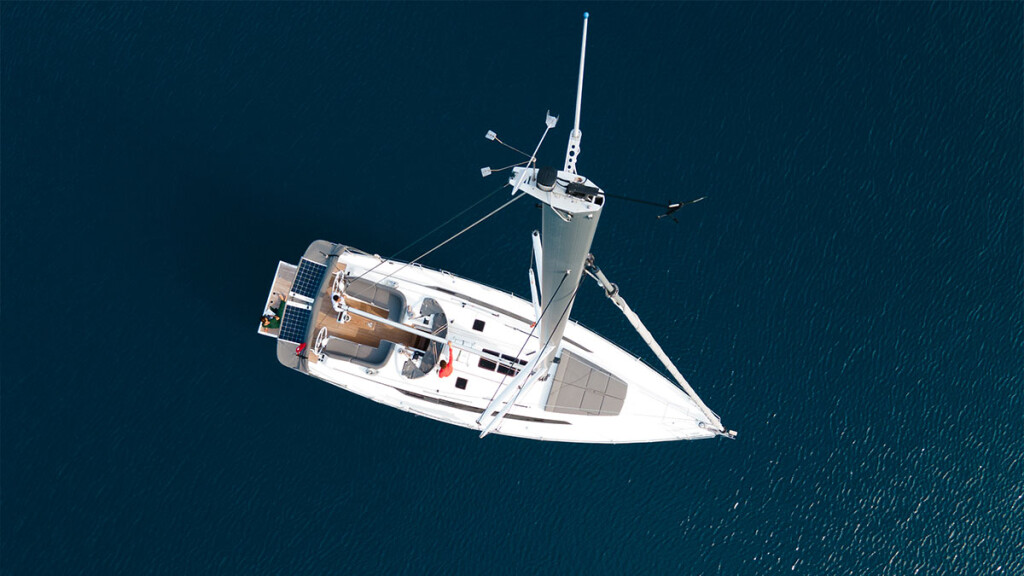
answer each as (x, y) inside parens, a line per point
(321, 341)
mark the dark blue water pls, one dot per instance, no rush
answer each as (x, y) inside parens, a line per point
(849, 296)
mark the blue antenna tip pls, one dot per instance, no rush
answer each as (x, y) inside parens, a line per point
(586, 15)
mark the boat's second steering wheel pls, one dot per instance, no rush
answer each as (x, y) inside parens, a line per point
(321, 341)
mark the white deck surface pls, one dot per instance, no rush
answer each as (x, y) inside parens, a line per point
(653, 408)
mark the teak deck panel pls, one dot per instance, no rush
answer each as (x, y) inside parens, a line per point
(358, 329)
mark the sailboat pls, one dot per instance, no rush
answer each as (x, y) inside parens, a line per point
(437, 345)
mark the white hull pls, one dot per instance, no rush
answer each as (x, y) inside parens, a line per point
(654, 409)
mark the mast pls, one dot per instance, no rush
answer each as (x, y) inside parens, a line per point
(568, 225)
(574, 137)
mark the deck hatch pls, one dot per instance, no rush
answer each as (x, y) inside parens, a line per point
(583, 388)
(308, 279)
(295, 324)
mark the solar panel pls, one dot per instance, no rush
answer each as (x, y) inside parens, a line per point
(295, 324)
(308, 278)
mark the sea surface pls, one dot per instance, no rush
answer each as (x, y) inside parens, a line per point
(848, 297)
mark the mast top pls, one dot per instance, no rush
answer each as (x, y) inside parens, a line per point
(579, 85)
(574, 138)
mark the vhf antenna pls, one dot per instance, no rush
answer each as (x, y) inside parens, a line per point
(550, 121)
(574, 138)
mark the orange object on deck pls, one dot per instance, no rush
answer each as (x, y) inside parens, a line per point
(448, 368)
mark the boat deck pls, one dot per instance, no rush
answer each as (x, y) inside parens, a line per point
(358, 329)
(283, 280)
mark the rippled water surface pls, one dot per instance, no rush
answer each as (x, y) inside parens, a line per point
(848, 297)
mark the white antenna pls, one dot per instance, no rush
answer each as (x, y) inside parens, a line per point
(574, 138)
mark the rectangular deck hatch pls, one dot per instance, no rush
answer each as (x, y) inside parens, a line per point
(580, 387)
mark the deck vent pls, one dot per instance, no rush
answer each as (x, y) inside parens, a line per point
(478, 325)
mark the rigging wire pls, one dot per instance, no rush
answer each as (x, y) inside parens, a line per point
(421, 238)
(456, 235)
(522, 386)
(670, 208)
(524, 162)
(450, 220)
(637, 200)
(464, 230)
(528, 336)
(498, 140)
(550, 123)
(650, 203)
